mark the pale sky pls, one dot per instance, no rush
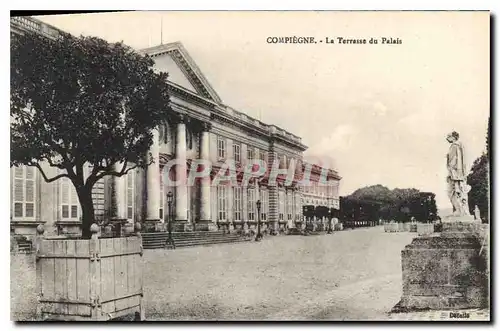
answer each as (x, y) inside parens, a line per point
(380, 111)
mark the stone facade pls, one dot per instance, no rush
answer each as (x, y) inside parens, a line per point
(206, 129)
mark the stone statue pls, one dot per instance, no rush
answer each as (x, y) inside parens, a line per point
(457, 177)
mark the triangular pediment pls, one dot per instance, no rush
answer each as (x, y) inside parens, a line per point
(183, 71)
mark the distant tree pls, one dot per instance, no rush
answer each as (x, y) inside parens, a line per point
(374, 193)
(378, 202)
(78, 102)
(479, 181)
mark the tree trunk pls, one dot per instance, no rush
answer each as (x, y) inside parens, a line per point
(87, 205)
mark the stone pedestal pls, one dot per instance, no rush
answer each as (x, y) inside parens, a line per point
(182, 226)
(425, 229)
(446, 271)
(206, 225)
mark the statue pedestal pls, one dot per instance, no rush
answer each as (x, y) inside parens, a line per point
(445, 271)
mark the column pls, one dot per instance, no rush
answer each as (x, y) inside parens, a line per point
(153, 180)
(205, 210)
(181, 196)
(118, 185)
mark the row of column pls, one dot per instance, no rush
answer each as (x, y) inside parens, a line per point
(153, 179)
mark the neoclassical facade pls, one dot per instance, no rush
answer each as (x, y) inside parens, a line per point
(204, 128)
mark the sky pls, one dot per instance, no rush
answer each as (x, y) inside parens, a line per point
(381, 112)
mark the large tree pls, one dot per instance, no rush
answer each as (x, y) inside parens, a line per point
(80, 102)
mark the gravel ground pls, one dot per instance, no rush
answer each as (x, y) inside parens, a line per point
(354, 274)
(348, 275)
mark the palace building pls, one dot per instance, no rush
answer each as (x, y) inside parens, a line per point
(205, 129)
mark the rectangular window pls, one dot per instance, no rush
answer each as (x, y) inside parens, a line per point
(222, 202)
(281, 202)
(221, 148)
(264, 196)
(289, 206)
(251, 204)
(130, 195)
(250, 153)
(162, 194)
(24, 192)
(238, 203)
(262, 155)
(298, 207)
(237, 152)
(69, 200)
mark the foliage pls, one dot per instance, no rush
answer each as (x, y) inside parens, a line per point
(479, 182)
(378, 202)
(80, 102)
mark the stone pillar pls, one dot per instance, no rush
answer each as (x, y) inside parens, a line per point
(205, 222)
(273, 213)
(181, 192)
(153, 184)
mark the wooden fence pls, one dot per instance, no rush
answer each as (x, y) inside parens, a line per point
(96, 279)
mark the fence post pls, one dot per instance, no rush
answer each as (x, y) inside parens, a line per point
(142, 310)
(94, 269)
(38, 243)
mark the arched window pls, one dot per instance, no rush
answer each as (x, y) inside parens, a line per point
(189, 139)
(163, 133)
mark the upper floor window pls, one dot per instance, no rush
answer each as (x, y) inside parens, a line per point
(189, 139)
(250, 153)
(262, 155)
(163, 131)
(237, 152)
(221, 147)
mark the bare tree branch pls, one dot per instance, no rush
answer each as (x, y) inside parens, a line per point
(48, 180)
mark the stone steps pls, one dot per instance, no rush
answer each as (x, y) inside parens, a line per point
(187, 239)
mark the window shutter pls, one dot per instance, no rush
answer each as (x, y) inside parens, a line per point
(65, 197)
(30, 197)
(130, 195)
(162, 194)
(74, 202)
(18, 192)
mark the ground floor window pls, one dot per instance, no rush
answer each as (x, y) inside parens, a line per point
(251, 204)
(281, 204)
(298, 207)
(289, 206)
(24, 192)
(162, 195)
(69, 200)
(130, 195)
(222, 202)
(238, 203)
(264, 200)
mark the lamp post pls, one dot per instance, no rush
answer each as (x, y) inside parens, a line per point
(259, 235)
(170, 198)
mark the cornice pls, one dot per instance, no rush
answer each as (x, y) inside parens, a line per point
(187, 95)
